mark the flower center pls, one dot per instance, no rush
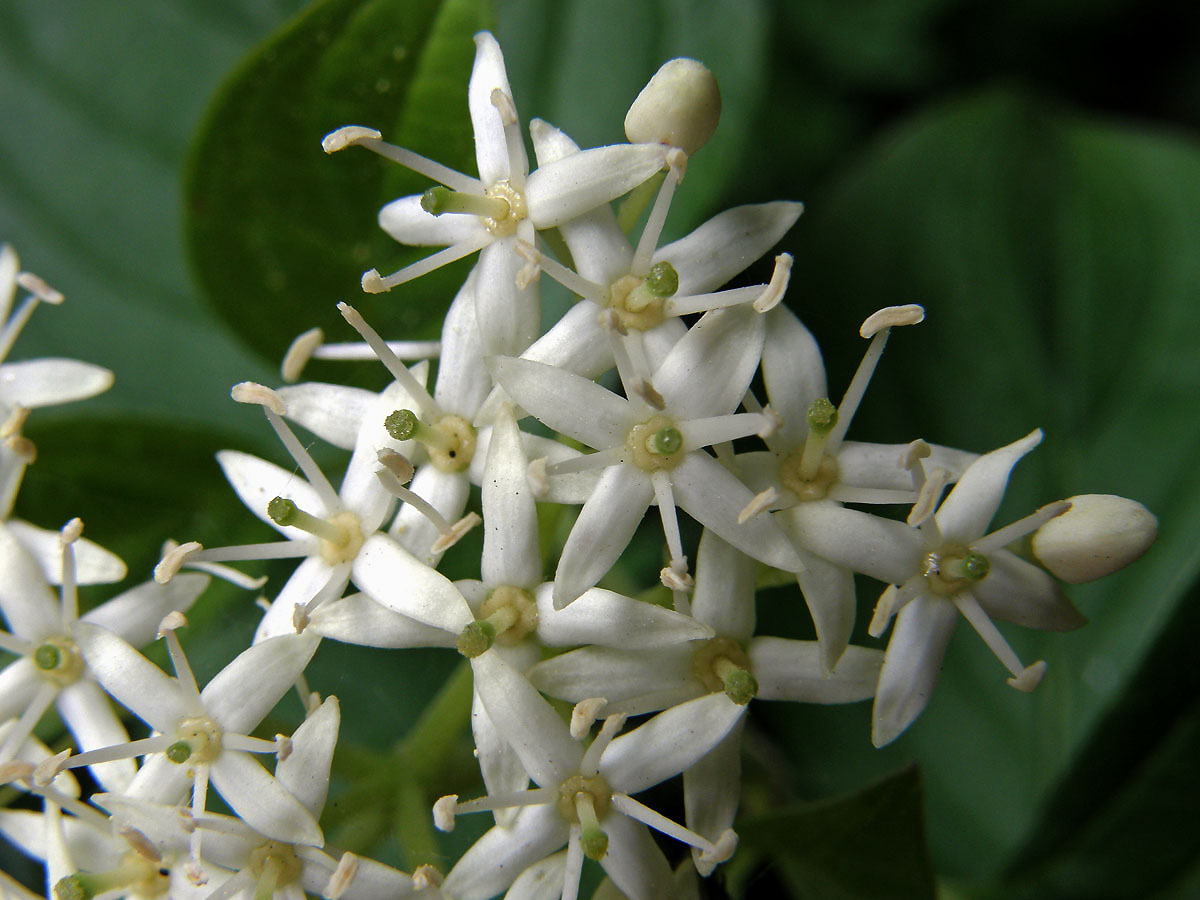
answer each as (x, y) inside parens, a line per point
(808, 471)
(722, 665)
(274, 864)
(341, 535)
(197, 741)
(450, 441)
(585, 799)
(136, 876)
(638, 302)
(656, 444)
(58, 659)
(507, 615)
(954, 569)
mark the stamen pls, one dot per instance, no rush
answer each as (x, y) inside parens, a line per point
(677, 160)
(1002, 537)
(584, 715)
(590, 764)
(599, 459)
(227, 573)
(780, 277)
(1024, 678)
(374, 283)
(286, 514)
(438, 201)
(568, 278)
(656, 820)
(665, 496)
(928, 499)
(425, 403)
(168, 567)
(372, 140)
(411, 350)
(343, 876)
(299, 353)
(444, 811)
(512, 137)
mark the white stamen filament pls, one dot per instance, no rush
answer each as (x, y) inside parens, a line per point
(38, 704)
(568, 278)
(534, 797)
(14, 644)
(590, 765)
(781, 276)
(68, 595)
(372, 140)
(665, 497)
(574, 867)
(648, 241)
(599, 459)
(512, 137)
(374, 283)
(1002, 537)
(846, 493)
(928, 499)
(623, 803)
(127, 750)
(426, 406)
(699, 433)
(986, 628)
(248, 744)
(700, 303)
(354, 352)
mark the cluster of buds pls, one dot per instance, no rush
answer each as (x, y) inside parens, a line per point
(722, 412)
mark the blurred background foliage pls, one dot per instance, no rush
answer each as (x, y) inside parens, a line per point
(1028, 171)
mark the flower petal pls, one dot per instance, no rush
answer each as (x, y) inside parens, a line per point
(668, 744)
(47, 382)
(511, 554)
(333, 412)
(911, 665)
(633, 681)
(90, 716)
(559, 191)
(134, 681)
(305, 771)
(463, 380)
(964, 515)
(828, 591)
(358, 619)
(603, 530)
(93, 564)
(309, 579)
(495, 860)
(135, 614)
(727, 243)
(408, 223)
(261, 801)
(242, 693)
(399, 581)
(501, 766)
(882, 548)
(491, 147)
(712, 787)
(258, 482)
(794, 373)
(509, 314)
(27, 602)
(708, 371)
(526, 720)
(1020, 592)
(634, 863)
(608, 619)
(724, 595)
(792, 670)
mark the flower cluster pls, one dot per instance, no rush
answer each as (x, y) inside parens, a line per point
(656, 388)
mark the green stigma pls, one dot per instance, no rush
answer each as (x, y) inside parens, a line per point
(435, 201)
(179, 752)
(283, 512)
(662, 280)
(665, 441)
(594, 843)
(822, 416)
(976, 566)
(47, 657)
(476, 638)
(402, 424)
(72, 888)
(740, 686)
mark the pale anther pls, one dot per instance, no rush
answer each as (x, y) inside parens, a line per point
(299, 353)
(347, 136)
(913, 453)
(260, 395)
(170, 622)
(584, 715)
(342, 877)
(71, 531)
(760, 503)
(443, 812)
(777, 287)
(39, 288)
(891, 317)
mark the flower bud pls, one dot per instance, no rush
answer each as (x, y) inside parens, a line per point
(679, 106)
(1098, 535)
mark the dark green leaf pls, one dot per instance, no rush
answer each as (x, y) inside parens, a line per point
(278, 231)
(863, 845)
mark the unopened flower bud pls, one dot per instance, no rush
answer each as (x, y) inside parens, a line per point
(679, 106)
(1098, 535)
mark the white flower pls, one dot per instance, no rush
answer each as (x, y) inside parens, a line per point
(651, 443)
(583, 797)
(505, 203)
(50, 669)
(946, 565)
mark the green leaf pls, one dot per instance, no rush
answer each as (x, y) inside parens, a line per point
(867, 844)
(278, 231)
(1055, 259)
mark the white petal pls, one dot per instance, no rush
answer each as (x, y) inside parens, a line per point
(46, 382)
(136, 613)
(724, 595)
(878, 465)
(713, 787)
(360, 620)
(242, 693)
(882, 548)
(258, 482)
(792, 670)
(964, 514)
(29, 606)
(911, 665)
(160, 781)
(463, 381)
(399, 581)
(608, 619)
(794, 373)
(509, 316)
(829, 593)
(668, 744)
(361, 492)
(374, 880)
(713, 497)
(305, 772)
(603, 530)
(663, 675)
(727, 243)
(134, 681)
(497, 858)
(633, 862)
(561, 190)
(261, 801)
(526, 720)
(408, 223)
(501, 766)
(708, 370)
(93, 564)
(511, 554)
(577, 343)
(1017, 591)
(19, 682)
(540, 881)
(491, 147)
(89, 715)
(310, 578)
(333, 412)
(567, 403)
